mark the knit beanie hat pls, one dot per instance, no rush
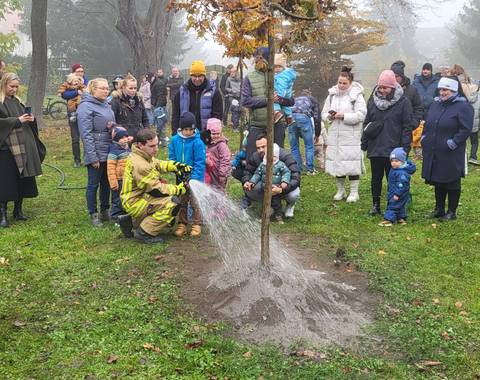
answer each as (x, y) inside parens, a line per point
(387, 79)
(448, 83)
(76, 66)
(118, 133)
(398, 154)
(280, 60)
(276, 154)
(263, 51)
(214, 125)
(198, 68)
(427, 66)
(398, 68)
(187, 120)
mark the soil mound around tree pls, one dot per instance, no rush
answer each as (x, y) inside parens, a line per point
(304, 296)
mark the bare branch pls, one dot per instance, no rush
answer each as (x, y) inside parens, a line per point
(290, 14)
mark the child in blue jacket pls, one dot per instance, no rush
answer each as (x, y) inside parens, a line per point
(398, 188)
(283, 85)
(187, 147)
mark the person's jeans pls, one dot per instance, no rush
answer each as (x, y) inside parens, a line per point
(226, 108)
(150, 116)
(302, 128)
(117, 208)
(235, 110)
(474, 142)
(161, 116)
(97, 178)
(75, 134)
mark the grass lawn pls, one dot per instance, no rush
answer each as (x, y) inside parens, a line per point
(83, 303)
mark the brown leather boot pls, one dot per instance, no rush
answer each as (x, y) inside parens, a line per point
(180, 230)
(196, 230)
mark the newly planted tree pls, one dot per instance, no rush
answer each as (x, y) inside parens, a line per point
(242, 25)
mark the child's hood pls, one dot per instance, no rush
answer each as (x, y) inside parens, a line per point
(196, 135)
(220, 140)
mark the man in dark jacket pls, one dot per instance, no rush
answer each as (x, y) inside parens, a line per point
(291, 193)
(254, 97)
(159, 105)
(410, 92)
(226, 97)
(197, 96)
(426, 85)
(174, 82)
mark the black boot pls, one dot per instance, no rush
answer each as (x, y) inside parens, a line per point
(146, 238)
(17, 210)
(3, 215)
(125, 222)
(375, 210)
(437, 213)
(450, 215)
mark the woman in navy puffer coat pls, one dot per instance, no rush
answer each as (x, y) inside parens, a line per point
(447, 128)
(94, 117)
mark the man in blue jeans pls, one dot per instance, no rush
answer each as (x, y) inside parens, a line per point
(304, 110)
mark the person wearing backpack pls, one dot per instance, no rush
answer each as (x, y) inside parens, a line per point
(345, 110)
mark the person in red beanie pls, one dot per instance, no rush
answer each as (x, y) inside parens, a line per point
(388, 125)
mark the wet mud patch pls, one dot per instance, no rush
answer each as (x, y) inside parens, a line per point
(307, 298)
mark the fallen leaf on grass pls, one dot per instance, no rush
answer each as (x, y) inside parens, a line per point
(151, 347)
(112, 359)
(247, 355)
(4, 261)
(19, 324)
(311, 354)
(445, 335)
(417, 302)
(349, 268)
(381, 252)
(427, 363)
(122, 260)
(429, 240)
(94, 286)
(434, 225)
(193, 345)
(196, 329)
(458, 304)
(159, 257)
(152, 299)
(435, 301)
(463, 313)
(355, 245)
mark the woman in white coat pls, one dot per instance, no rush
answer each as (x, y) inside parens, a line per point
(345, 110)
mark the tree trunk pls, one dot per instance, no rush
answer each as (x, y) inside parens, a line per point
(147, 37)
(267, 195)
(38, 73)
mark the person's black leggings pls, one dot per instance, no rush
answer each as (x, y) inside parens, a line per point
(474, 141)
(380, 166)
(351, 177)
(441, 195)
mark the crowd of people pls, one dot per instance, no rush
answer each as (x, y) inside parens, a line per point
(122, 127)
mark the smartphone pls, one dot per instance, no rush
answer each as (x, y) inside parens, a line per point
(332, 112)
(28, 110)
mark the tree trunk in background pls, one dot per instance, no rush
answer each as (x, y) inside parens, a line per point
(148, 36)
(38, 73)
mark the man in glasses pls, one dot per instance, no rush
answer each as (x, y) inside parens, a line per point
(197, 96)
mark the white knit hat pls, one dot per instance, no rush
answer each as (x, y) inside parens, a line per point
(448, 83)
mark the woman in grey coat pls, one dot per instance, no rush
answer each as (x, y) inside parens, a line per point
(95, 118)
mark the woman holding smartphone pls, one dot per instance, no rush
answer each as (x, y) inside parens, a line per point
(345, 110)
(21, 152)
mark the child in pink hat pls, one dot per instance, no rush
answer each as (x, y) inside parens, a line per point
(218, 156)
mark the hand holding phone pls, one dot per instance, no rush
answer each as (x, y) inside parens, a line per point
(28, 110)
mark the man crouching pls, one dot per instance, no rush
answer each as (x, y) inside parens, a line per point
(150, 202)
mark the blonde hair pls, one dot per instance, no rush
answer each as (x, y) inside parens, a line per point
(128, 78)
(7, 77)
(71, 77)
(93, 84)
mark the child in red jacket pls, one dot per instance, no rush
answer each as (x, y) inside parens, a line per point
(218, 156)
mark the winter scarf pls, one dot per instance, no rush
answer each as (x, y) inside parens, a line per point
(385, 103)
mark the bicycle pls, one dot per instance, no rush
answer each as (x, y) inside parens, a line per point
(56, 109)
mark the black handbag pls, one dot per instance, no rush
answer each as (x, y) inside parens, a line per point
(373, 129)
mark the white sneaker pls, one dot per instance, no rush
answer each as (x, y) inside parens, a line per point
(289, 210)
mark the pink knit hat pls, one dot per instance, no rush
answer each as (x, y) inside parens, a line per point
(387, 79)
(214, 125)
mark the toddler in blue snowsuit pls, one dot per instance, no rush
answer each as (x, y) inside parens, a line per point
(398, 188)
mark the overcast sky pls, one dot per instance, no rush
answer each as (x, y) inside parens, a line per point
(440, 15)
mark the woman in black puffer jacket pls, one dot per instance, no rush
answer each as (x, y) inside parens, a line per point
(128, 107)
(389, 114)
